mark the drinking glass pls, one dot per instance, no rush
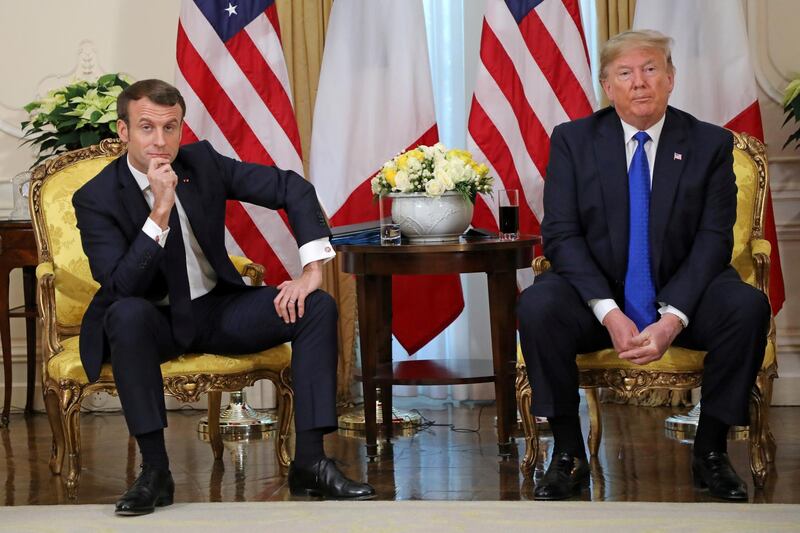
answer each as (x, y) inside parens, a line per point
(508, 203)
(390, 231)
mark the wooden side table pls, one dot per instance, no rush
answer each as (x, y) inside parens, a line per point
(374, 266)
(18, 250)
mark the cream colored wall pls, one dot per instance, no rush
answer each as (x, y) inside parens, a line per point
(45, 43)
(774, 42)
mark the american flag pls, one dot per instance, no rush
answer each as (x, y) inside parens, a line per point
(533, 75)
(232, 74)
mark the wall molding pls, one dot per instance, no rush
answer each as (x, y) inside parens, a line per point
(86, 68)
(760, 56)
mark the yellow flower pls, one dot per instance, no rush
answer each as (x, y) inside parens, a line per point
(416, 154)
(389, 174)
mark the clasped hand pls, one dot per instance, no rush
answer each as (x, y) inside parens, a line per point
(290, 301)
(641, 347)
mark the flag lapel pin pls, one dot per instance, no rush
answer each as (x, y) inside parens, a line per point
(677, 157)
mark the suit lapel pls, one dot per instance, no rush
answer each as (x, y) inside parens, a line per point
(613, 173)
(132, 196)
(190, 201)
(670, 159)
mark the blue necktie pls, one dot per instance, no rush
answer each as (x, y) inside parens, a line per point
(640, 293)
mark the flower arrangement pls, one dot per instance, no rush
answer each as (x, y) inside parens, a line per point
(791, 108)
(433, 170)
(78, 115)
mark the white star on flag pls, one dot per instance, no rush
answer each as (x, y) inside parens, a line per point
(231, 9)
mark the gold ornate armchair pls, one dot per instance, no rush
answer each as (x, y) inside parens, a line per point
(681, 368)
(65, 289)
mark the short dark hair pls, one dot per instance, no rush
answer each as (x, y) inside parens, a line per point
(160, 92)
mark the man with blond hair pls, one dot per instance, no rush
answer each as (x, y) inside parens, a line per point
(640, 202)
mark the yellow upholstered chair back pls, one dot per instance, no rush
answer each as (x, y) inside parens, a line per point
(750, 167)
(57, 235)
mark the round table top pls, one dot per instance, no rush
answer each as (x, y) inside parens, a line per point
(463, 244)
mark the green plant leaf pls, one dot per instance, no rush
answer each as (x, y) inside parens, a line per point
(89, 138)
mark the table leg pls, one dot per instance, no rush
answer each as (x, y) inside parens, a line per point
(29, 289)
(374, 324)
(5, 340)
(502, 296)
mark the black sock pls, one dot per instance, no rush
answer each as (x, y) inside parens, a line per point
(712, 435)
(567, 436)
(308, 447)
(153, 449)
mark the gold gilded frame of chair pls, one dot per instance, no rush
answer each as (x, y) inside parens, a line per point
(63, 397)
(628, 382)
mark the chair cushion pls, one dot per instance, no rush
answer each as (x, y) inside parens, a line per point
(675, 359)
(74, 286)
(67, 364)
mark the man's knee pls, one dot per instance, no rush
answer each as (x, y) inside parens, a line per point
(544, 301)
(132, 315)
(750, 309)
(322, 304)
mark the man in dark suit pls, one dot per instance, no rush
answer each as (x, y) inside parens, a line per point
(152, 225)
(640, 202)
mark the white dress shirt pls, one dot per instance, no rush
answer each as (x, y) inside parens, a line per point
(202, 277)
(601, 307)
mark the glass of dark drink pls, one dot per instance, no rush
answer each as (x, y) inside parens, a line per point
(508, 203)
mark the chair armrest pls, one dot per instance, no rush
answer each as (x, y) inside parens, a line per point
(761, 249)
(46, 295)
(247, 268)
(540, 265)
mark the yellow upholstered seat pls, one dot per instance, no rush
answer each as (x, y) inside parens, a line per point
(681, 368)
(66, 288)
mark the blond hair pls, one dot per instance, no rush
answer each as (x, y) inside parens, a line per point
(628, 40)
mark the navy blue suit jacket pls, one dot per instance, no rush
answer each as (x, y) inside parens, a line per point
(111, 211)
(692, 207)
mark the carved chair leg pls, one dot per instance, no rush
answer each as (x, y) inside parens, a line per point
(758, 456)
(595, 422)
(764, 382)
(71, 416)
(53, 408)
(285, 416)
(214, 402)
(529, 428)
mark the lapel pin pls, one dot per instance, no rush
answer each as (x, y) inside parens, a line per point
(185, 180)
(677, 157)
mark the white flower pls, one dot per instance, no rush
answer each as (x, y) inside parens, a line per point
(442, 173)
(434, 187)
(376, 185)
(402, 181)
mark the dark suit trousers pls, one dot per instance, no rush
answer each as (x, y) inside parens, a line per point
(731, 323)
(228, 320)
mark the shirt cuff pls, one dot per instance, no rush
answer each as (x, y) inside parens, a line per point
(666, 308)
(601, 307)
(316, 250)
(153, 230)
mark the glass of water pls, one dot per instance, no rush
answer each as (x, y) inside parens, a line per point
(390, 231)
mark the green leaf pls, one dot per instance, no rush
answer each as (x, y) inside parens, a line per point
(113, 127)
(89, 138)
(107, 79)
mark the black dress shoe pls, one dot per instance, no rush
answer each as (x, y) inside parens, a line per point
(564, 478)
(153, 488)
(324, 479)
(715, 472)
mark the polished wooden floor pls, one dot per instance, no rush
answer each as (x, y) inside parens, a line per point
(637, 462)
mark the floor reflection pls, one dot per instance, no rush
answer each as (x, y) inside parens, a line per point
(636, 462)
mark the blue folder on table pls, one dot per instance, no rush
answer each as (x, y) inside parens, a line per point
(363, 233)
